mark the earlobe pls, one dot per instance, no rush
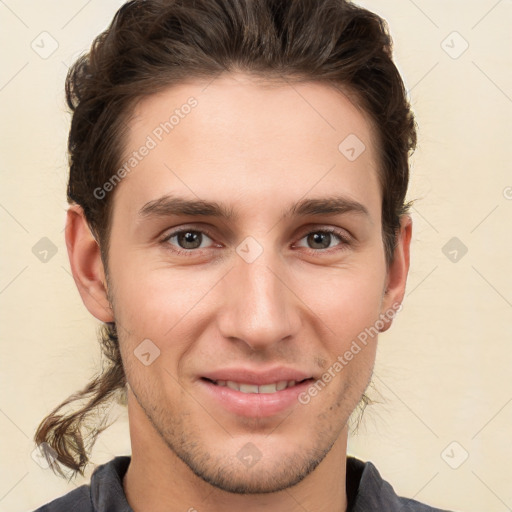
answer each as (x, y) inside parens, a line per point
(86, 265)
(397, 274)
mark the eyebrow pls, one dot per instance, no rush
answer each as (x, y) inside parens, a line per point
(168, 205)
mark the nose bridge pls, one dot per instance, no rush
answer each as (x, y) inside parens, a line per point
(258, 306)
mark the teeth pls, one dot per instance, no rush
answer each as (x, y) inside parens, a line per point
(248, 388)
(267, 388)
(252, 388)
(281, 385)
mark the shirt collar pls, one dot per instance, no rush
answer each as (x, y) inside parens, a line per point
(366, 490)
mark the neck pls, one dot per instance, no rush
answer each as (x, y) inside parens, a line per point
(159, 481)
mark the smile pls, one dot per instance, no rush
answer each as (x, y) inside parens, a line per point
(252, 388)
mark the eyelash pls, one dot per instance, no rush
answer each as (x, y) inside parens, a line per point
(344, 239)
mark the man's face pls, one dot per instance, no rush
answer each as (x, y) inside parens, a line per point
(266, 289)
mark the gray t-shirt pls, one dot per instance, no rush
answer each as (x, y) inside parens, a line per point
(366, 491)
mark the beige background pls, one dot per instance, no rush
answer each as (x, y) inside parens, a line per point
(443, 371)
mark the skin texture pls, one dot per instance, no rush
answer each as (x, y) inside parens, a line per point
(256, 148)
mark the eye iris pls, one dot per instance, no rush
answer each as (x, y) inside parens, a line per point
(189, 237)
(193, 239)
(323, 239)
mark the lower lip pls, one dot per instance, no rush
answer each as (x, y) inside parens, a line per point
(255, 405)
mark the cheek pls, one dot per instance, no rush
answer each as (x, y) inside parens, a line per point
(350, 346)
(355, 311)
(155, 301)
(156, 305)
(347, 300)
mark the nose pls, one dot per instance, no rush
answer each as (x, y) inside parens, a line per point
(259, 307)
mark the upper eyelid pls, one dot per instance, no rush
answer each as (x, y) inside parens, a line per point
(344, 238)
(339, 232)
(177, 231)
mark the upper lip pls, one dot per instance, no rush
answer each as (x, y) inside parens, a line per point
(258, 378)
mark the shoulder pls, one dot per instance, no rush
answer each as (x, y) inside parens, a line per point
(78, 500)
(374, 493)
(104, 494)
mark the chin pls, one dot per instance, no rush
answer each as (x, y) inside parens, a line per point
(260, 478)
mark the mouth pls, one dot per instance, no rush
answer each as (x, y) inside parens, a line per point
(268, 389)
(266, 399)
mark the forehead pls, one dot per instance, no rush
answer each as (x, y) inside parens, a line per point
(237, 135)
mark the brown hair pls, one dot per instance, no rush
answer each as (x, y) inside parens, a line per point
(153, 44)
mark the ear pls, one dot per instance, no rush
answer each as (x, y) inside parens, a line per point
(396, 279)
(86, 265)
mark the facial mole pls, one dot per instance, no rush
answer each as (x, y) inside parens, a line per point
(321, 362)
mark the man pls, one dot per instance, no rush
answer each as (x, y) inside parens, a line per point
(237, 221)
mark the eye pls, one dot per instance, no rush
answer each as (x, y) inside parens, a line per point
(322, 238)
(188, 242)
(186, 239)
